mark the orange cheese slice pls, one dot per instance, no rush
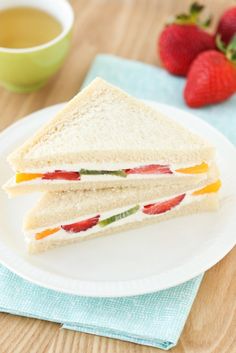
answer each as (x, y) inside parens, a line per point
(20, 177)
(214, 187)
(197, 169)
(46, 232)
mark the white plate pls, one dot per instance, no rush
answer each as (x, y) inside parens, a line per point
(135, 262)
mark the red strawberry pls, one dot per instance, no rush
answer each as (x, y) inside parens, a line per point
(161, 207)
(212, 77)
(227, 25)
(181, 41)
(82, 225)
(61, 175)
(150, 169)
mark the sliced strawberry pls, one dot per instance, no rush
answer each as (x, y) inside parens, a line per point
(61, 175)
(82, 225)
(150, 169)
(161, 207)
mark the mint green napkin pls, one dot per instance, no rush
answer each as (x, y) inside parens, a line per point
(155, 319)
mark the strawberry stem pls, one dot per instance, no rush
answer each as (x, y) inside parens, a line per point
(207, 22)
(220, 44)
(193, 16)
(196, 8)
(230, 50)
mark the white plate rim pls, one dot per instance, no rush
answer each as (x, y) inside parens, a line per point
(117, 288)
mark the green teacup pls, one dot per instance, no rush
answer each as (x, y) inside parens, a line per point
(26, 70)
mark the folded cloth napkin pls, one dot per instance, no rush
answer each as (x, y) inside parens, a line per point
(155, 319)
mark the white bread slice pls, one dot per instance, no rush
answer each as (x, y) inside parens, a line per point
(209, 203)
(60, 207)
(104, 124)
(13, 189)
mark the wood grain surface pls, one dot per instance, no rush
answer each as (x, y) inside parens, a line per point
(128, 28)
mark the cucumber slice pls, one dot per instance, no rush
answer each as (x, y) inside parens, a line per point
(120, 173)
(119, 216)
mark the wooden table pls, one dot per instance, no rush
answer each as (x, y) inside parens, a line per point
(127, 28)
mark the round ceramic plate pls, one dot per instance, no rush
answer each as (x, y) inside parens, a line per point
(134, 262)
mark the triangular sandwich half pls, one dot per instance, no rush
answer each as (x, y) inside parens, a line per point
(62, 218)
(106, 138)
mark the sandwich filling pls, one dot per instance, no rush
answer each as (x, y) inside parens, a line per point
(84, 226)
(151, 170)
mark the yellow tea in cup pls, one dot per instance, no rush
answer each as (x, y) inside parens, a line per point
(35, 37)
(26, 27)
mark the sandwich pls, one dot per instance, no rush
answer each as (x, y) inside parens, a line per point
(104, 138)
(61, 218)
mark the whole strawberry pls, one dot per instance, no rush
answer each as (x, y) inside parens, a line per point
(227, 25)
(212, 76)
(181, 41)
